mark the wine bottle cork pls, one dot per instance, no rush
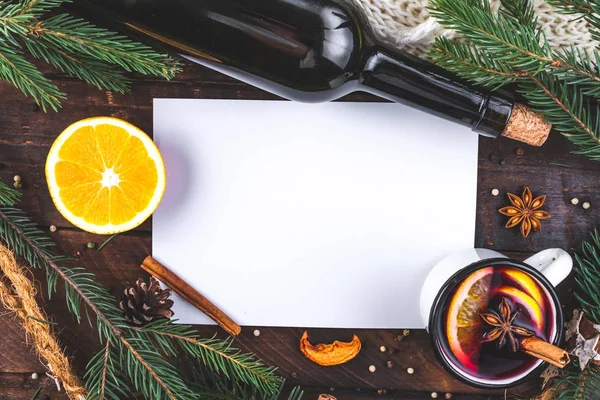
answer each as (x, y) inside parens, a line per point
(527, 126)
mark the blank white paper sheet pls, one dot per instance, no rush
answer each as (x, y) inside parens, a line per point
(310, 215)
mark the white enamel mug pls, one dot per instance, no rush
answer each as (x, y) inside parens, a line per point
(548, 267)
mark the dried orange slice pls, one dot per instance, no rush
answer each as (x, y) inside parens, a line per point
(526, 301)
(328, 355)
(105, 175)
(464, 326)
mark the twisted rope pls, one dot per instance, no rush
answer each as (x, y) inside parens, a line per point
(17, 294)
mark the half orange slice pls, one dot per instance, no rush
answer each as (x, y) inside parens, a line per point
(105, 175)
(464, 326)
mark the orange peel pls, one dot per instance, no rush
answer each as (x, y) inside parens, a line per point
(327, 355)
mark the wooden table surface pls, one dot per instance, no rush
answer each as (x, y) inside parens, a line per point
(26, 134)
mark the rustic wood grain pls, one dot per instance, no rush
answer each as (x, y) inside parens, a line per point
(26, 135)
(22, 387)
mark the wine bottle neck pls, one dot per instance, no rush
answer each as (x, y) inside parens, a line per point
(406, 79)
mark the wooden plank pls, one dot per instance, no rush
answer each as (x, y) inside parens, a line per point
(15, 355)
(370, 394)
(569, 224)
(23, 387)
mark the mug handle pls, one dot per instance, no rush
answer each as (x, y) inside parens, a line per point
(554, 264)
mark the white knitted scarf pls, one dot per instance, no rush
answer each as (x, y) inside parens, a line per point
(406, 24)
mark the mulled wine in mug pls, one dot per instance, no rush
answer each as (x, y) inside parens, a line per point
(488, 315)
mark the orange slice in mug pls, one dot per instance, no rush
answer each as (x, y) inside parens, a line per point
(526, 282)
(464, 326)
(526, 302)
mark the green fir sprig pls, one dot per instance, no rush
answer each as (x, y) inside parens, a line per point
(73, 46)
(587, 277)
(8, 196)
(573, 383)
(145, 359)
(508, 48)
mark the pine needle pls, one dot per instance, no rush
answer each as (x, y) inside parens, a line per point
(8, 196)
(42, 321)
(107, 241)
(37, 393)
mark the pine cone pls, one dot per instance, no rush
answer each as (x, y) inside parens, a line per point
(145, 303)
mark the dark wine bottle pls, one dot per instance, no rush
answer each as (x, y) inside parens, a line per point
(313, 51)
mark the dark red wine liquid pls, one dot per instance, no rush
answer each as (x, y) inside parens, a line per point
(523, 292)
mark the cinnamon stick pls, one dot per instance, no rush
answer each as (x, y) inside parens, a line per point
(543, 350)
(191, 295)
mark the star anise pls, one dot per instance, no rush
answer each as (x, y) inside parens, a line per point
(525, 211)
(504, 330)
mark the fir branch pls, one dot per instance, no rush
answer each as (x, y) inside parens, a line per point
(504, 39)
(79, 36)
(36, 8)
(101, 376)
(150, 373)
(211, 386)
(509, 48)
(28, 241)
(153, 376)
(25, 77)
(465, 61)
(72, 45)
(509, 37)
(216, 354)
(587, 277)
(8, 195)
(570, 63)
(564, 107)
(520, 10)
(575, 384)
(83, 67)
(585, 72)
